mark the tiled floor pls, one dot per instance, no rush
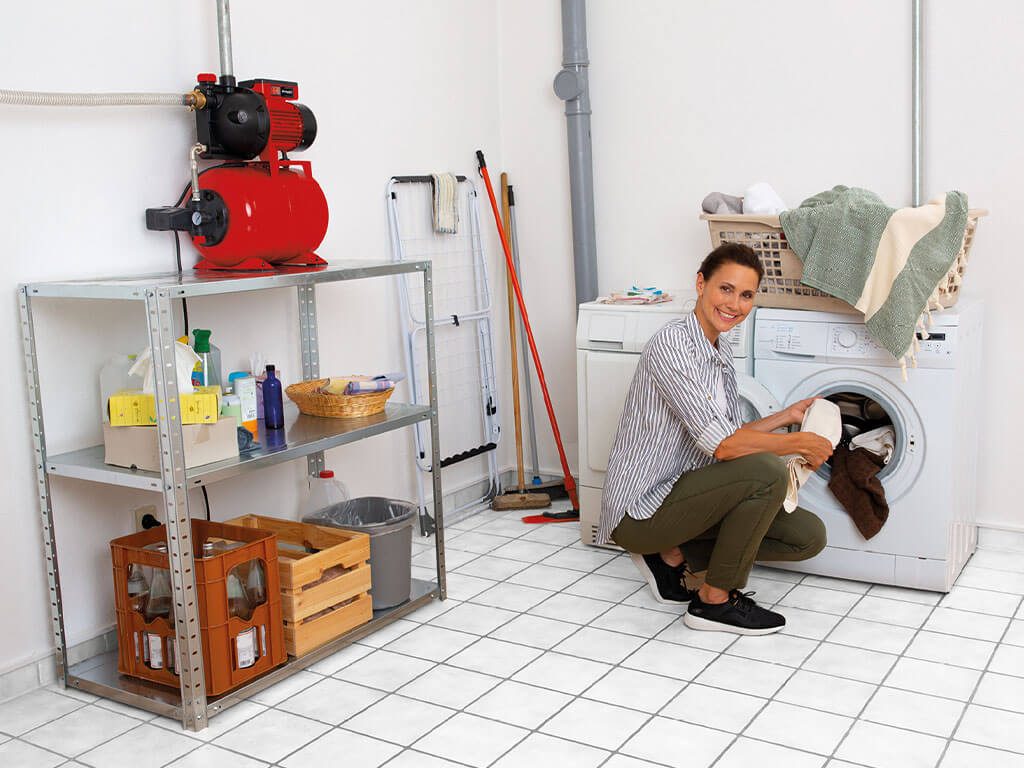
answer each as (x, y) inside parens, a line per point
(551, 654)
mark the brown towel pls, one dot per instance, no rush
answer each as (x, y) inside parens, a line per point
(855, 485)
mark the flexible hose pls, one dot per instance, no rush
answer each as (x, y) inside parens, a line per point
(42, 99)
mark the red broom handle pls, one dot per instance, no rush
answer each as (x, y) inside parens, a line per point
(570, 485)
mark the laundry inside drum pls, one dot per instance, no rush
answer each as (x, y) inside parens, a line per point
(866, 423)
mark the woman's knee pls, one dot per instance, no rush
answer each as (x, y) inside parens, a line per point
(814, 536)
(767, 468)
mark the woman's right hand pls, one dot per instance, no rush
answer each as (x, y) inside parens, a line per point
(814, 448)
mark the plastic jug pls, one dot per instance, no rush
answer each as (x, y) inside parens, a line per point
(114, 375)
(324, 491)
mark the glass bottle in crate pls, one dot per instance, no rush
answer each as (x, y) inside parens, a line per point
(158, 604)
(256, 584)
(138, 588)
(238, 602)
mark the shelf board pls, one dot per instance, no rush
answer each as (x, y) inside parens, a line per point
(209, 282)
(303, 435)
(99, 674)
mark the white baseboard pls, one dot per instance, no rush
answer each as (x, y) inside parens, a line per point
(1006, 539)
(43, 671)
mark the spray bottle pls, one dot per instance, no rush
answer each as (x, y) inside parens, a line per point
(208, 374)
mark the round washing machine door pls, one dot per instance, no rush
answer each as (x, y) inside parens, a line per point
(756, 402)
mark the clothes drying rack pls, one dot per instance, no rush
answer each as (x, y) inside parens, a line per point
(467, 398)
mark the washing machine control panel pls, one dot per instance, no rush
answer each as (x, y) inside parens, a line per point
(847, 341)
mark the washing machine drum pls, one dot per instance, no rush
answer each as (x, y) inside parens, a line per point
(756, 402)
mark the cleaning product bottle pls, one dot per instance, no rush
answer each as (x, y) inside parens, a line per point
(273, 404)
(114, 375)
(209, 357)
(324, 491)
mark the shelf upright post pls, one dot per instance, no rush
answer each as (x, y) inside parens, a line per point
(28, 336)
(160, 324)
(435, 443)
(310, 344)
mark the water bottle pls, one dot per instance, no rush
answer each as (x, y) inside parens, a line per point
(138, 588)
(273, 405)
(324, 491)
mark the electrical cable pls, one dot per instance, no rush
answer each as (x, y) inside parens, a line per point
(206, 501)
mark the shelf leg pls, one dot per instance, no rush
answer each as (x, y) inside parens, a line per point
(435, 444)
(310, 345)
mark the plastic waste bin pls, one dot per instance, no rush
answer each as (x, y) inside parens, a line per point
(389, 523)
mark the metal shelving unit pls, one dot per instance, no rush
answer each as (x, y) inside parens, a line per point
(305, 436)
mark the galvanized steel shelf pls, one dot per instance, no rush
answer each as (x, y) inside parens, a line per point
(305, 436)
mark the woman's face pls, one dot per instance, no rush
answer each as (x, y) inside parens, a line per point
(724, 299)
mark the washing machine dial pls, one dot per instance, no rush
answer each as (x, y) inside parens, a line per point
(846, 338)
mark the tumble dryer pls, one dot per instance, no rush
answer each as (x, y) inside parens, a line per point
(609, 340)
(931, 480)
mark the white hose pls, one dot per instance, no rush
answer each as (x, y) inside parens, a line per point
(41, 99)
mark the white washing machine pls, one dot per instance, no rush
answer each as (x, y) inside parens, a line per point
(930, 483)
(609, 340)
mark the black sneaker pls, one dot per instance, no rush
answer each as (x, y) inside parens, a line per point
(739, 614)
(665, 581)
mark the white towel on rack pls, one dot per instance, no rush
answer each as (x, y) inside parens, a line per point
(446, 208)
(821, 417)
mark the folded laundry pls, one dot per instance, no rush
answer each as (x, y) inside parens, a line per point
(719, 202)
(822, 418)
(855, 485)
(636, 296)
(762, 200)
(357, 385)
(881, 442)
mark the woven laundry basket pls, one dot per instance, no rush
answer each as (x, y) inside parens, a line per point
(781, 286)
(314, 403)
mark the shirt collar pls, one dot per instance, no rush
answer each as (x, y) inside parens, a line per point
(704, 348)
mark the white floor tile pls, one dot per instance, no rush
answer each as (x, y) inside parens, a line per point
(412, 758)
(622, 568)
(463, 587)
(432, 643)
(843, 585)
(560, 534)
(634, 689)
(452, 559)
(70, 691)
(595, 723)
(642, 597)
(331, 701)
(634, 621)
(562, 673)
(946, 649)
(986, 578)
(998, 560)
(475, 541)
(873, 635)
(980, 626)
(331, 664)
(341, 747)
(579, 559)
(125, 709)
(1015, 634)
(714, 707)
(431, 610)
(933, 678)
(514, 597)
(1001, 692)
(799, 727)
(669, 660)
(733, 673)
(961, 755)
(898, 612)
(624, 761)
(607, 588)
(471, 740)
(981, 601)
(144, 747)
(600, 645)
(992, 728)
(219, 725)
(924, 597)
(387, 633)
(81, 730)
(494, 657)
(545, 577)
(777, 648)
(491, 567)
(18, 754)
(384, 670)
(209, 756)
(767, 591)
(579, 610)
(778, 574)
(881, 746)
(535, 631)
(471, 617)
(818, 599)
(449, 686)
(526, 551)
(854, 663)
(513, 528)
(748, 752)
(831, 694)
(399, 719)
(272, 735)
(1008, 660)
(914, 711)
(540, 750)
(34, 709)
(678, 632)
(668, 741)
(519, 704)
(287, 688)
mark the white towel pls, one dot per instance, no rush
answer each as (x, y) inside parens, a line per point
(446, 208)
(762, 200)
(822, 418)
(881, 442)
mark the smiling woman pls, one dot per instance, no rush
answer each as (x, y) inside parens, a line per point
(690, 487)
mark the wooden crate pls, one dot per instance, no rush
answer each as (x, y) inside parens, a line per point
(323, 593)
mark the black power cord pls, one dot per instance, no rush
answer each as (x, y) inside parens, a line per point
(206, 501)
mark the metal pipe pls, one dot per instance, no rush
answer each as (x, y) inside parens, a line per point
(916, 110)
(227, 69)
(572, 86)
(193, 161)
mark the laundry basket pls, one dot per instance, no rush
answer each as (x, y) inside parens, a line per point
(781, 286)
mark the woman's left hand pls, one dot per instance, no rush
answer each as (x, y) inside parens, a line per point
(795, 412)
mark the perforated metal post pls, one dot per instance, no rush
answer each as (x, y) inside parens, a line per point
(310, 345)
(43, 483)
(435, 445)
(160, 323)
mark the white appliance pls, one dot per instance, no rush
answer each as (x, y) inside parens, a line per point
(930, 483)
(609, 340)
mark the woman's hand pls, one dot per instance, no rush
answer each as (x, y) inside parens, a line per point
(814, 448)
(795, 412)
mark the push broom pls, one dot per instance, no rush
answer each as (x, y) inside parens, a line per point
(570, 484)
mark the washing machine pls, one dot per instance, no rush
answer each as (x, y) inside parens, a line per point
(609, 340)
(931, 481)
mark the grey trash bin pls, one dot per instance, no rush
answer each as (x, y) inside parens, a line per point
(389, 524)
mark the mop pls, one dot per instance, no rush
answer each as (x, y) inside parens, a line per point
(570, 484)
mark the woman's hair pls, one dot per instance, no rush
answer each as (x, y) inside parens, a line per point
(736, 253)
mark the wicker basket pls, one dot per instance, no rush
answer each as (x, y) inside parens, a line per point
(314, 403)
(781, 286)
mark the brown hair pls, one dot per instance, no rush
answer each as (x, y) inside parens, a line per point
(735, 253)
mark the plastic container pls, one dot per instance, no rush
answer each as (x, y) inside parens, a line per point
(324, 492)
(273, 401)
(208, 374)
(388, 522)
(114, 376)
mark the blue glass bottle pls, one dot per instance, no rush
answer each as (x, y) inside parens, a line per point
(273, 404)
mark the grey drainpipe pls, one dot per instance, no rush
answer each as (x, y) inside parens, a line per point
(571, 85)
(916, 109)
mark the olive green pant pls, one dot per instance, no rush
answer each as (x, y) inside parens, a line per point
(724, 517)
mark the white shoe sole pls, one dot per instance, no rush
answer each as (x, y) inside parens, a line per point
(707, 625)
(638, 561)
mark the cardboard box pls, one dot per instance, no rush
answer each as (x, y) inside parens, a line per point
(133, 407)
(140, 446)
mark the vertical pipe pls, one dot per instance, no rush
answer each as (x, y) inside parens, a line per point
(916, 108)
(227, 69)
(572, 86)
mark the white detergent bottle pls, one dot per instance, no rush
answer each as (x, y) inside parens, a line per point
(114, 375)
(324, 491)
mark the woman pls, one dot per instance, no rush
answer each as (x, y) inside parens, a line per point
(689, 486)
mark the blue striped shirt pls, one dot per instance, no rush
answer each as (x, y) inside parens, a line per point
(671, 423)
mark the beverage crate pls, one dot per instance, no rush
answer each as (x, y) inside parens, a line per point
(323, 592)
(235, 650)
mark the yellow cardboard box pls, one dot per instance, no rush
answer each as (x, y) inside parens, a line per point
(134, 408)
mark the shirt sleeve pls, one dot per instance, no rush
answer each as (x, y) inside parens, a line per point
(677, 380)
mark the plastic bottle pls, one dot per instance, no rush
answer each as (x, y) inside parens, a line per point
(273, 404)
(324, 491)
(138, 588)
(209, 358)
(114, 376)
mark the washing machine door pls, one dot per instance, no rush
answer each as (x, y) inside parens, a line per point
(756, 402)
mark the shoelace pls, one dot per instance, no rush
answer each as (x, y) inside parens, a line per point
(743, 600)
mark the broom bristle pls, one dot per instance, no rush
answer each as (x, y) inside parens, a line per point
(521, 501)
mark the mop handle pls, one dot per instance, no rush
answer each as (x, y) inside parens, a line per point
(570, 485)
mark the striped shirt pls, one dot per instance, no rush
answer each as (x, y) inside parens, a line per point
(672, 422)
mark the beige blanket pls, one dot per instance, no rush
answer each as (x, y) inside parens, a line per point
(821, 417)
